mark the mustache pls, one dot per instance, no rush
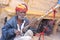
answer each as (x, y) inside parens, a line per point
(21, 17)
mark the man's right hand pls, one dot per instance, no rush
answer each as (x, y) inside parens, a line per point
(17, 32)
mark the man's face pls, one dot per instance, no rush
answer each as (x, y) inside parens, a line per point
(21, 15)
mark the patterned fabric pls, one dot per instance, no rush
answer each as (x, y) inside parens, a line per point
(22, 8)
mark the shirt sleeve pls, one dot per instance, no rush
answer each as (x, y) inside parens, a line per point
(8, 31)
(58, 1)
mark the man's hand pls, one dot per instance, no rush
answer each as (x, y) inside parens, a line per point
(17, 32)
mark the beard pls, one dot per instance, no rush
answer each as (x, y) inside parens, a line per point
(21, 18)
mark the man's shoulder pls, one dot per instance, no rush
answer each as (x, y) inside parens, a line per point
(12, 19)
(58, 1)
(26, 19)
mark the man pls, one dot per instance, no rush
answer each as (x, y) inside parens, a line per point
(14, 26)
